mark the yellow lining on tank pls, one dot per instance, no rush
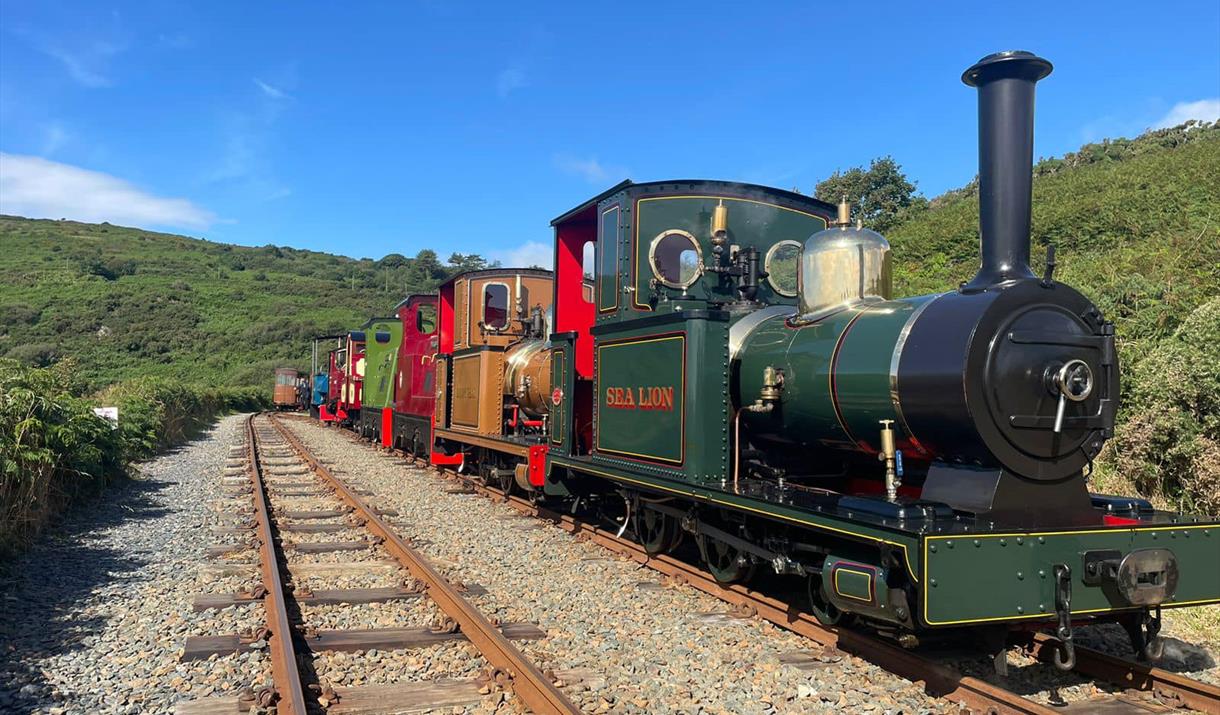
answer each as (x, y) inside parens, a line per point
(597, 386)
(866, 574)
(1024, 535)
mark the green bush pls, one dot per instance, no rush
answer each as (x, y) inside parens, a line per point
(54, 448)
(1168, 445)
(158, 412)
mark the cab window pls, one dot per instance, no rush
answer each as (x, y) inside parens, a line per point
(495, 306)
(425, 319)
(607, 260)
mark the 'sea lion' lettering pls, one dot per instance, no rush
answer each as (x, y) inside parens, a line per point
(640, 398)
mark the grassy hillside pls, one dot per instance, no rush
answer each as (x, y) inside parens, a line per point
(128, 303)
(1136, 226)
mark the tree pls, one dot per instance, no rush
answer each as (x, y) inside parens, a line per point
(393, 260)
(426, 269)
(878, 195)
(460, 263)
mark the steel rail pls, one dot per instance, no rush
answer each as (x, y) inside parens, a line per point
(289, 690)
(939, 679)
(1186, 692)
(534, 689)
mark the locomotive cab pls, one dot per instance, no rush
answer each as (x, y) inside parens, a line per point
(414, 389)
(493, 373)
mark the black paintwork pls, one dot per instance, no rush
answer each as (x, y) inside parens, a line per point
(1006, 150)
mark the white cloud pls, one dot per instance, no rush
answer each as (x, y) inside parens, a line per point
(510, 80)
(271, 90)
(38, 188)
(86, 62)
(1207, 110)
(591, 170)
(530, 253)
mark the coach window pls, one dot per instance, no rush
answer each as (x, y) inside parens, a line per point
(495, 306)
(676, 259)
(425, 319)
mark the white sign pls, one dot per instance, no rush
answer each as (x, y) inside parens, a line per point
(108, 413)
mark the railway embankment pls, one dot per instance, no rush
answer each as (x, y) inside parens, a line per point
(94, 613)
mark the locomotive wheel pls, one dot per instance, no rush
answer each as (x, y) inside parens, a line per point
(658, 532)
(826, 612)
(727, 563)
(505, 483)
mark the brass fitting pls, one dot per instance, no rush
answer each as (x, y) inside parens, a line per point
(769, 394)
(773, 382)
(720, 224)
(844, 217)
(889, 455)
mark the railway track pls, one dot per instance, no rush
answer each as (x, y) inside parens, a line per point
(1140, 683)
(291, 642)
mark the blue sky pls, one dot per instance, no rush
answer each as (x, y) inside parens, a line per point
(365, 129)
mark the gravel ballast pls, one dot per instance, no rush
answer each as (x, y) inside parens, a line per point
(628, 643)
(94, 615)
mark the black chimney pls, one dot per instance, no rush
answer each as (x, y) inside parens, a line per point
(1005, 82)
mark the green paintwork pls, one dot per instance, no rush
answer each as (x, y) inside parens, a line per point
(851, 538)
(687, 352)
(1016, 571)
(861, 586)
(640, 396)
(755, 221)
(561, 414)
(807, 414)
(381, 363)
(862, 370)
(861, 379)
(853, 583)
(608, 260)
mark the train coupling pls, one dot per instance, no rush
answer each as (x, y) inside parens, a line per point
(1144, 577)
